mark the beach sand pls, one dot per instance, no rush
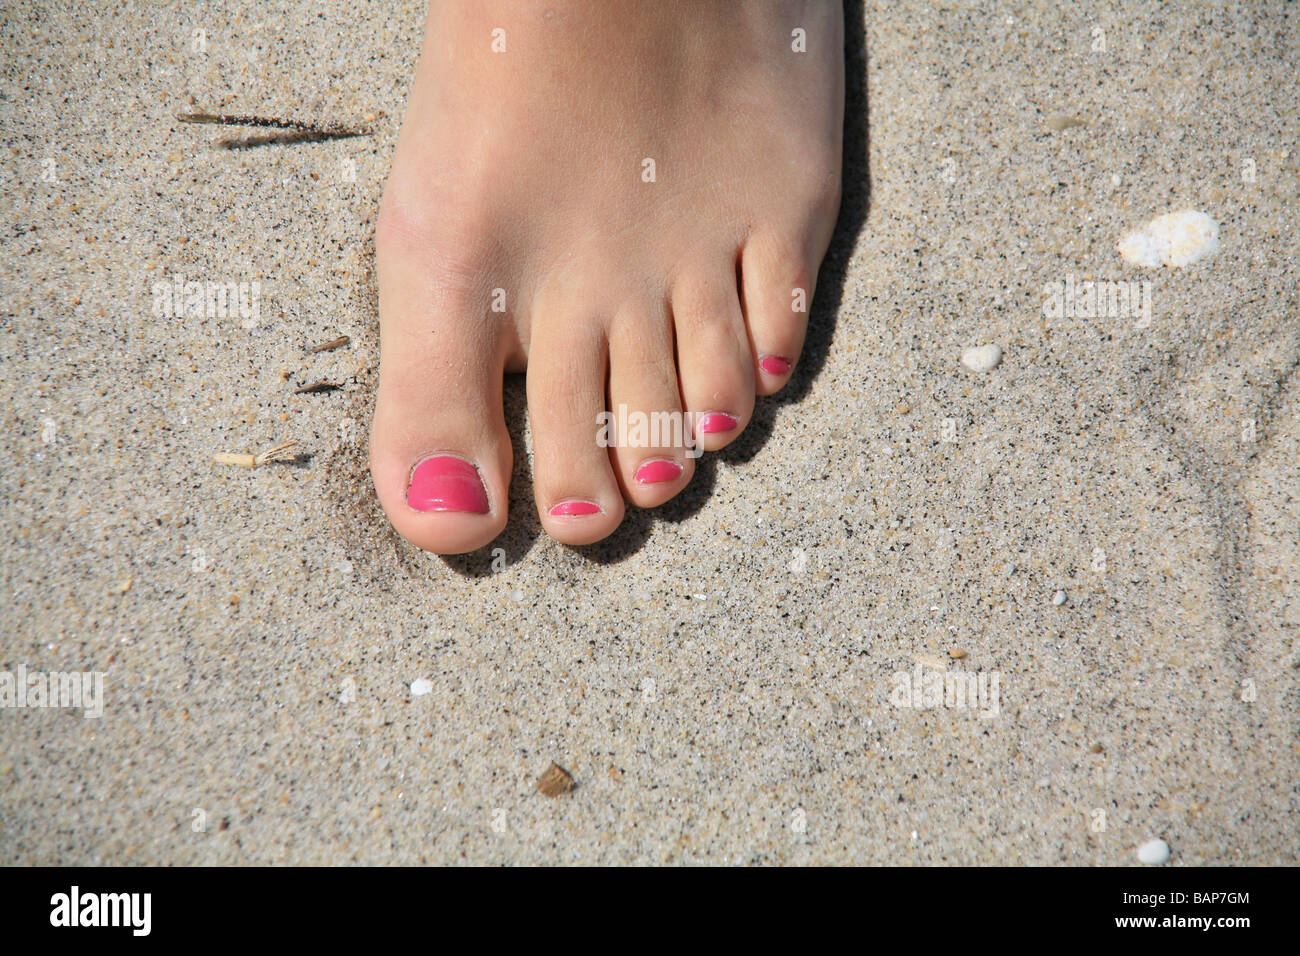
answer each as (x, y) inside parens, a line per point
(721, 677)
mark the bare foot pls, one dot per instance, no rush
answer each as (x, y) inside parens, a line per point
(631, 200)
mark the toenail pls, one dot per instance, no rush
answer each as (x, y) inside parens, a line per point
(660, 470)
(775, 365)
(717, 422)
(574, 509)
(445, 483)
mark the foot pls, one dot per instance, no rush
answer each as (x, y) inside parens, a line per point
(631, 201)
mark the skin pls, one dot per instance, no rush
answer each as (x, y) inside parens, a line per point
(520, 181)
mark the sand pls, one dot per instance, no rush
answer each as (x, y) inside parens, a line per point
(721, 677)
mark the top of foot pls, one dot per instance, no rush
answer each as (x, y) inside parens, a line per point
(631, 203)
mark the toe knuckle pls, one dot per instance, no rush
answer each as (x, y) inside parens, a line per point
(403, 222)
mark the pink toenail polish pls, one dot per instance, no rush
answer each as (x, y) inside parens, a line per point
(444, 483)
(654, 471)
(774, 365)
(573, 509)
(717, 422)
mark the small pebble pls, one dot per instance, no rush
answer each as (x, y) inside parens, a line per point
(1176, 239)
(1153, 852)
(555, 781)
(956, 653)
(982, 359)
(421, 686)
(1058, 598)
(1063, 121)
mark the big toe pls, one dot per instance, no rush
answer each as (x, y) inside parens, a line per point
(440, 453)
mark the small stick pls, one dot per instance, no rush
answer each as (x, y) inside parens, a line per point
(317, 387)
(271, 122)
(332, 344)
(274, 453)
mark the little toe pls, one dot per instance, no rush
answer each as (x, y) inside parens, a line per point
(777, 286)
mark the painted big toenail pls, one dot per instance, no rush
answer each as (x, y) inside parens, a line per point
(445, 483)
(655, 471)
(573, 509)
(717, 422)
(774, 365)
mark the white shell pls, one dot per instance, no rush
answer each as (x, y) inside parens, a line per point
(1176, 239)
(421, 686)
(1154, 852)
(1058, 598)
(982, 359)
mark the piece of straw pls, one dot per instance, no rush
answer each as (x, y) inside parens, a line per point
(275, 453)
(341, 341)
(274, 122)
